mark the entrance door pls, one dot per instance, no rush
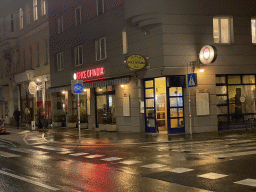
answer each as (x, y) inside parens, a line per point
(150, 117)
(175, 112)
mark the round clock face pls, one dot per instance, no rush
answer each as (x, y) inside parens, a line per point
(208, 54)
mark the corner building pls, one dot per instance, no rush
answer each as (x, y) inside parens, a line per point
(102, 34)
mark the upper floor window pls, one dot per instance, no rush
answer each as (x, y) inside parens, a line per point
(60, 61)
(100, 7)
(60, 25)
(222, 29)
(78, 55)
(28, 15)
(100, 49)
(46, 51)
(12, 23)
(125, 44)
(78, 16)
(43, 7)
(253, 22)
(21, 18)
(35, 13)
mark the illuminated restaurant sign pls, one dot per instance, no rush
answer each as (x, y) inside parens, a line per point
(90, 73)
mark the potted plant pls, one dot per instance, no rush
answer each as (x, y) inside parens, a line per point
(83, 120)
(72, 120)
(57, 120)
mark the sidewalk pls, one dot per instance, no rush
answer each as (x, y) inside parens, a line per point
(92, 137)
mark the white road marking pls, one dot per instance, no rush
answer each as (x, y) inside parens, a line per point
(93, 156)
(249, 182)
(130, 162)
(78, 154)
(111, 159)
(52, 148)
(65, 152)
(180, 170)
(225, 150)
(235, 154)
(212, 175)
(152, 166)
(23, 132)
(29, 181)
(28, 151)
(5, 154)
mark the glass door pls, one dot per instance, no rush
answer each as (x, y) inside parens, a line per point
(175, 112)
(150, 117)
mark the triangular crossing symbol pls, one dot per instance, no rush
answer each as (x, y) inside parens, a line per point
(191, 81)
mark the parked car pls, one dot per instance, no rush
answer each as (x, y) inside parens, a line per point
(2, 128)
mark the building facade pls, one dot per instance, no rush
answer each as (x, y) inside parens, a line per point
(104, 42)
(25, 58)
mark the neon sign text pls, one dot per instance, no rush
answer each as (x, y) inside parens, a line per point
(90, 73)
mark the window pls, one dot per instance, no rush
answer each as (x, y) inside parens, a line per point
(100, 49)
(60, 25)
(60, 61)
(35, 13)
(222, 29)
(78, 16)
(28, 15)
(46, 51)
(253, 22)
(78, 55)
(12, 23)
(100, 7)
(43, 7)
(38, 54)
(124, 36)
(21, 18)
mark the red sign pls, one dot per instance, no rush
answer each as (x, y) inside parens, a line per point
(90, 73)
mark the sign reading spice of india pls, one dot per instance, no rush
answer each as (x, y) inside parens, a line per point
(90, 73)
(136, 62)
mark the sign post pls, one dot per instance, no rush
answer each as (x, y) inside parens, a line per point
(78, 88)
(32, 90)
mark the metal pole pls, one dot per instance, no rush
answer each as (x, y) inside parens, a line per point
(78, 105)
(189, 107)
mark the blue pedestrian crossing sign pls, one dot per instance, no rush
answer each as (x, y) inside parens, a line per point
(78, 88)
(192, 80)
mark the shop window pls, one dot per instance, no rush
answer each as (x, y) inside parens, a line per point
(253, 29)
(234, 79)
(60, 25)
(21, 18)
(100, 7)
(78, 55)
(78, 16)
(61, 103)
(100, 49)
(222, 29)
(60, 61)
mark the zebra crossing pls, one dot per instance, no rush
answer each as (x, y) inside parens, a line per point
(219, 148)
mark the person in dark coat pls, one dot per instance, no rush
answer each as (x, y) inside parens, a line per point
(17, 115)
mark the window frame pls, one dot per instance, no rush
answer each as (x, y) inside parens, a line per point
(60, 61)
(230, 29)
(21, 16)
(98, 47)
(43, 7)
(80, 16)
(60, 25)
(97, 7)
(35, 10)
(77, 56)
(253, 39)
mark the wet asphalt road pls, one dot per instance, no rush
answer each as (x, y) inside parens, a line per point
(131, 167)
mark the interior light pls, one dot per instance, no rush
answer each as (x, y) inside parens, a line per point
(74, 76)
(37, 79)
(84, 90)
(63, 92)
(201, 70)
(122, 86)
(100, 89)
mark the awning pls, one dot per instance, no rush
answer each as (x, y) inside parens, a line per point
(58, 89)
(105, 83)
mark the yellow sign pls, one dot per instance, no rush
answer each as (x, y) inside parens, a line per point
(136, 62)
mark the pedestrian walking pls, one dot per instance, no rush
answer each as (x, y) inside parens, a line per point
(17, 115)
(28, 117)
